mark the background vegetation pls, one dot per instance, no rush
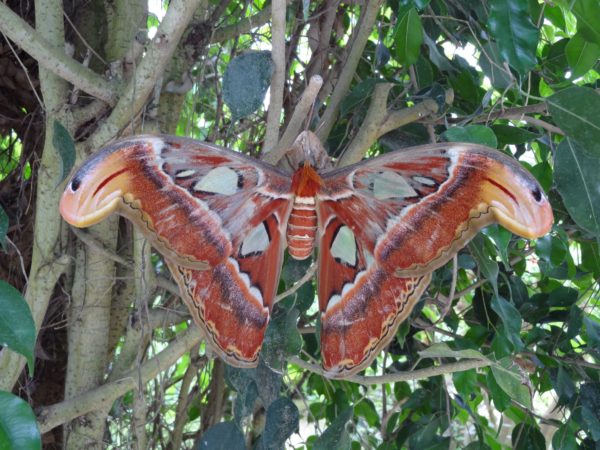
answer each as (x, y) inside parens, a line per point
(502, 352)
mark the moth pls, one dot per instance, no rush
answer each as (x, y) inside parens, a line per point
(222, 221)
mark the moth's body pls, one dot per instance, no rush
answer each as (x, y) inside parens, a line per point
(221, 220)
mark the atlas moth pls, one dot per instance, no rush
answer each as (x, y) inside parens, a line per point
(222, 221)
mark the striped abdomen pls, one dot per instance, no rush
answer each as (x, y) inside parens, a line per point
(302, 227)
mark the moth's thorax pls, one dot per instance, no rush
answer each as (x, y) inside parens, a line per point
(306, 182)
(302, 225)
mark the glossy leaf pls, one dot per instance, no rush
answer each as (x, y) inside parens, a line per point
(527, 437)
(508, 377)
(492, 64)
(3, 228)
(222, 436)
(511, 318)
(592, 329)
(587, 13)
(409, 37)
(578, 182)
(486, 264)
(507, 134)
(17, 329)
(64, 145)
(282, 339)
(442, 350)
(477, 134)
(564, 437)
(246, 81)
(515, 34)
(18, 426)
(581, 54)
(283, 419)
(576, 110)
(336, 436)
(590, 400)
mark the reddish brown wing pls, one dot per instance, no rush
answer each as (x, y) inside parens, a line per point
(217, 216)
(388, 222)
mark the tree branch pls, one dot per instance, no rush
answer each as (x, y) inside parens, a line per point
(159, 52)
(301, 112)
(278, 8)
(399, 376)
(54, 58)
(380, 120)
(103, 396)
(367, 20)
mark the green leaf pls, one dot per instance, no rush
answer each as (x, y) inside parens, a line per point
(587, 13)
(577, 179)
(486, 264)
(564, 437)
(500, 398)
(409, 37)
(359, 95)
(509, 378)
(246, 81)
(564, 385)
(527, 437)
(64, 145)
(222, 436)
(282, 339)
(17, 329)
(590, 400)
(581, 55)
(283, 419)
(576, 111)
(592, 329)
(3, 228)
(511, 318)
(442, 350)
(476, 134)
(336, 436)
(492, 65)
(507, 134)
(515, 34)
(18, 426)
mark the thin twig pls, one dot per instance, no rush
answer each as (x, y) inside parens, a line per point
(400, 376)
(298, 284)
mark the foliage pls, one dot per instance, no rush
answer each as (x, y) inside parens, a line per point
(518, 76)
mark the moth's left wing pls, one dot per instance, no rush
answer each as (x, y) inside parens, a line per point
(414, 209)
(387, 223)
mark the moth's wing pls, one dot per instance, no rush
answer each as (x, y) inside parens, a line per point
(194, 201)
(218, 217)
(415, 209)
(361, 304)
(387, 223)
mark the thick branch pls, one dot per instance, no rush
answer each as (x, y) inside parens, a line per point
(149, 71)
(301, 112)
(368, 17)
(54, 58)
(278, 8)
(103, 396)
(381, 120)
(400, 376)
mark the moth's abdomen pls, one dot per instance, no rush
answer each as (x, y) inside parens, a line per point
(302, 228)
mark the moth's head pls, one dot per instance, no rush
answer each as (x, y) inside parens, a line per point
(518, 202)
(96, 189)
